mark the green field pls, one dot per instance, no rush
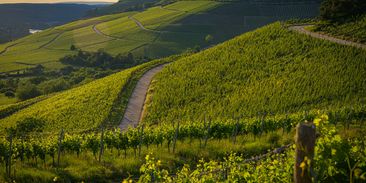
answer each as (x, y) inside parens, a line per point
(170, 30)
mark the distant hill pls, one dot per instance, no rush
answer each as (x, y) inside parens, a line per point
(17, 19)
(122, 6)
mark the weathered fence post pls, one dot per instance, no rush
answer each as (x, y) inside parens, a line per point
(175, 137)
(208, 133)
(9, 155)
(236, 130)
(59, 146)
(101, 145)
(284, 124)
(305, 143)
(140, 141)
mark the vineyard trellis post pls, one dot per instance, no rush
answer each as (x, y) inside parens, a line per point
(284, 123)
(101, 145)
(9, 156)
(336, 118)
(140, 140)
(304, 153)
(262, 121)
(208, 133)
(349, 118)
(362, 111)
(59, 146)
(175, 137)
(236, 130)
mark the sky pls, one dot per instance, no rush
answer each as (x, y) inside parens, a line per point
(52, 1)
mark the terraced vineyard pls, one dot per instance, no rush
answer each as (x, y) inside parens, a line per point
(353, 30)
(164, 31)
(87, 107)
(270, 70)
(228, 113)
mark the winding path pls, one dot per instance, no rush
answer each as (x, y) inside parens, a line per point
(136, 102)
(7, 48)
(96, 30)
(139, 24)
(51, 41)
(301, 29)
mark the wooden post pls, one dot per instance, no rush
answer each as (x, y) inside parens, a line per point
(140, 141)
(9, 156)
(305, 143)
(59, 146)
(175, 137)
(208, 132)
(262, 122)
(284, 124)
(101, 145)
(236, 130)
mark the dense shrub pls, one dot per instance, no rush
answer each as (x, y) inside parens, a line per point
(99, 59)
(27, 90)
(54, 86)
(336, 10)
(9, 93)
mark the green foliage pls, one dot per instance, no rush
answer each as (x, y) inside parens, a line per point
(209, 38)
(54, 86)
(85, 107)
(339, 10)
(171, 29)
(73, 47)
(28, 125)
(268, 70)
(354, 29)
(100, 59)
(27, 91)
(336, 158)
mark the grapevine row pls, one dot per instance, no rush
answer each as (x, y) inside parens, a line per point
(134, 138)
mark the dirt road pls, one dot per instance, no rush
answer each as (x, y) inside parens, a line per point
(136, 102)
(301, 29)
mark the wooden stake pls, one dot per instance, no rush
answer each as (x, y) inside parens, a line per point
(59, 146)
(305, 143)
(101, 145)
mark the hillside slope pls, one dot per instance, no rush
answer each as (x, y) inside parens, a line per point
(268, 70)
(101, 102)
(168, 30)
(354, 29)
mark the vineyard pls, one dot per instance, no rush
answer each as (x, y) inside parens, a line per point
(353, 30)
(270, 105)
(170, 30)
(270, 70)
(26, 149)
(337, 159)
(87, 107)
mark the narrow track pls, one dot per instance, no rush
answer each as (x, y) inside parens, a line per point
(7, 48)
(96, 30)
(136, 102)
(301, 29)
(139, 24)
(51, 41)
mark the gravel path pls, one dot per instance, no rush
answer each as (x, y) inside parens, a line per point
(139, 24)
(136, 102)
(96, 30)
(301, 29)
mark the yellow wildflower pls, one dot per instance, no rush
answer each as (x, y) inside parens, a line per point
(317, 121)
